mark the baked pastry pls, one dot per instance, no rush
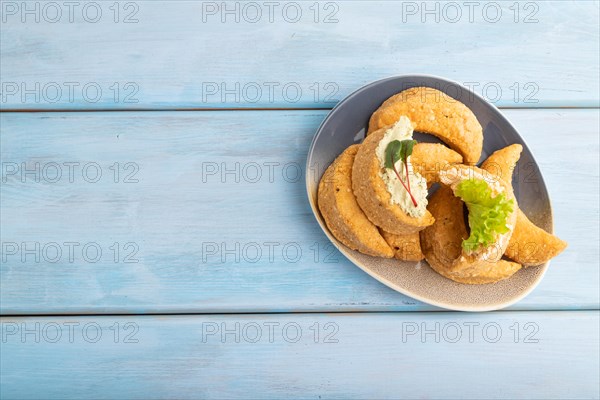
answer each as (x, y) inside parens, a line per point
(492, 211)
(342, 215)
(529, 245)
(442, 244)
(435, 113)
(406, 247)
(380, 192)
(428, 159)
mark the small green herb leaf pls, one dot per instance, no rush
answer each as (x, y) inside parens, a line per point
(392, 153)
(406, 149)
(400, 150)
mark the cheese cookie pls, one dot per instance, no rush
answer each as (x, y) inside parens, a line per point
(435, 113)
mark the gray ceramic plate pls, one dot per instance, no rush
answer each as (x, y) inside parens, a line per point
(347, 124)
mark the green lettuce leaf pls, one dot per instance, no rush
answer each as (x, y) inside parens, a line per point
(487, 214)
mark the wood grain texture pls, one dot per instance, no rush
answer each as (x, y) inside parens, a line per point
(184, 54)
(186, 221)
(549, 355)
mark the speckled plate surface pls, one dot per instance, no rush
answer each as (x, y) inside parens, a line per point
(347, 123)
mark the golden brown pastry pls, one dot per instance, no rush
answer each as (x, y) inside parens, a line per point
(529, 245)
(406, 247)
(344, 218)
(435, 113)
(453, 176)
(429, 159)
(501, 163)
(442, 244)
(372, 190)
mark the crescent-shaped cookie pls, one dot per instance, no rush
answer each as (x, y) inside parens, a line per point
(435, 113)
(344, 218)
(455, 174)
(373, 196)
(406, 247)
(428, 159)
(501, 163)
(441, 244)
(529, 245)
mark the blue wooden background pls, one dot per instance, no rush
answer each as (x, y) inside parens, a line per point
(156, 238)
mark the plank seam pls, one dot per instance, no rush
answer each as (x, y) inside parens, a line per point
(289, 313)
(27, 110)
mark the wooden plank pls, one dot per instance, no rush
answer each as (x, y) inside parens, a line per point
(185, 54)
(549, 355)
(192, 237)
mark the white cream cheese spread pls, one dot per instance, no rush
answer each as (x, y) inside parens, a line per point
(402, 130)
